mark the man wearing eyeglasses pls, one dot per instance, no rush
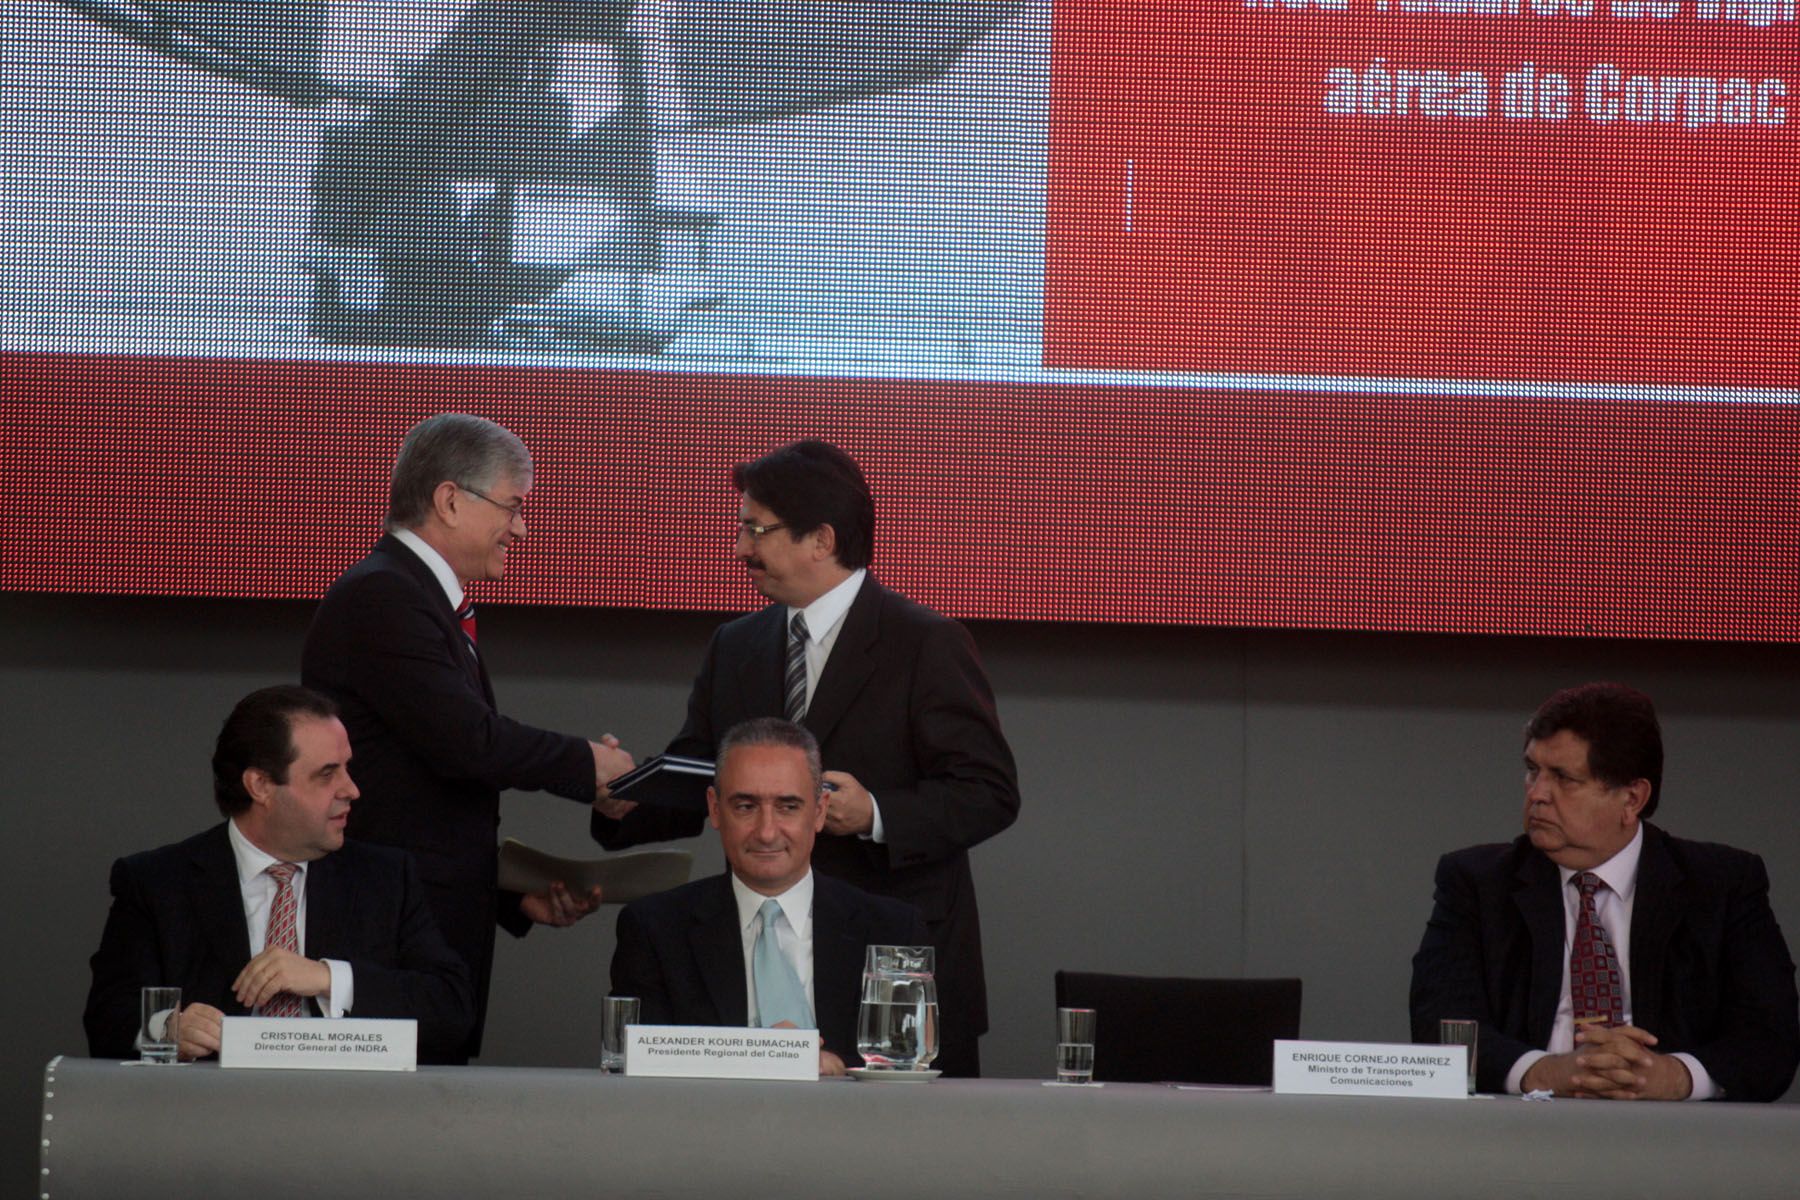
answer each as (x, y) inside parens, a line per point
(1602, 957)
(394, 643)
(895, 695)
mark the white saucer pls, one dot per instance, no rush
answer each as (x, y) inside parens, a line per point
(889, 1075)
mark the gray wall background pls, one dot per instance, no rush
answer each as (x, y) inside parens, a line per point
(1205, 802)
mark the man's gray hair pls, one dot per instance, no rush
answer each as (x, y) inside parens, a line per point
(773, 731)
(457, 447)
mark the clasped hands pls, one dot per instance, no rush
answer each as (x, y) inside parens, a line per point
(264, 977)
(1611, 1064)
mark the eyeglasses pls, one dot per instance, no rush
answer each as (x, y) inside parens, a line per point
(750, 529)
(515, 509)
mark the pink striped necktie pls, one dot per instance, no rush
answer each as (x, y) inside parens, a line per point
(283, 932)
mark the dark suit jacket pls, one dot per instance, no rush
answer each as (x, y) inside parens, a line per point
(904, 706)
(431, 752)
(177, 920)
(1710, 971)
(681, 952)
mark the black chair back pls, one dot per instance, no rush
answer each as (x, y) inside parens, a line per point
(1153, 1029)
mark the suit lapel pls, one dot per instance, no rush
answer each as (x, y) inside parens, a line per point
(760, 669)
(218, 904)
(718, 945)
(838, 947)
(1540, 905)
(441, 611)
(1655, 912)
(327, 909)
(851, 663)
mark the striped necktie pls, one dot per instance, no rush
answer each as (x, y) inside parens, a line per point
(283, 932)
(794, 682)
(465, 616)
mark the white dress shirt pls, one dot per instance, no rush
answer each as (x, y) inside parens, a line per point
(824, 621)
(793, 934)
(258, 889)
(440, 568)
(1613, 905)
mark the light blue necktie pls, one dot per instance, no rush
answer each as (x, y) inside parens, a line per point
(779, 995)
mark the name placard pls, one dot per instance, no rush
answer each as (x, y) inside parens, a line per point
(344, 1044)
(1372, 1069)
(721, 1052)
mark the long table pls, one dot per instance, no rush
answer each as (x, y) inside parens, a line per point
(113, 1130)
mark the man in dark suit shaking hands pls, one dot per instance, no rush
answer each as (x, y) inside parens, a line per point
(1603, 957)
(895, 695)
(394, 643)
(769, 942)
(271, 911)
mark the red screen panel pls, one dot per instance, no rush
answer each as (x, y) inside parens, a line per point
(1050, 502)
(1581, 191)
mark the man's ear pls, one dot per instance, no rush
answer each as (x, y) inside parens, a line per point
(712, 806)
(258, 784)
(824, 540)
(1637, 794)
(444, 501)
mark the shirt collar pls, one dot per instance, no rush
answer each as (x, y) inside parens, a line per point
(251, 861)
(825, 614)
(1618, 872)
(439, 566)
(796, 902)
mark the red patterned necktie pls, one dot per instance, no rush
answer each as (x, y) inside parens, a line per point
(465, 616)
(1596, 989)
(283, 933)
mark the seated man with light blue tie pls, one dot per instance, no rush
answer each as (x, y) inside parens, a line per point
(271, 912)
(769, 942)
(1603, 957)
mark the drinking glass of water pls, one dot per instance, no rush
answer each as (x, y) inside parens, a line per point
(159, 1024)
(897, 1026)
(1075, 1045)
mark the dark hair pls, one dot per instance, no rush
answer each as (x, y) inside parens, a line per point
(259, 734)
(772, 731)
(1620, 727)
(457, 447)
(810, 484)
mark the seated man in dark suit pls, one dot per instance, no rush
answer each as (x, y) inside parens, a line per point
(1603, 957)
(769, 942)
(271, 912)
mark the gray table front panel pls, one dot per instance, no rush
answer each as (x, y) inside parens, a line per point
(114, 1130)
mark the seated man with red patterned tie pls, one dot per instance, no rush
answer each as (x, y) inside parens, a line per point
(271, 912)
(771, 942)
(1602, 957)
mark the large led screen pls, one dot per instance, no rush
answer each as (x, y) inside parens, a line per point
(1454, 315)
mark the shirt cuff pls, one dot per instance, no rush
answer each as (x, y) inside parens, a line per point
(342, 997)
(1704, 1087)
(1515, 1078)
(877, 831)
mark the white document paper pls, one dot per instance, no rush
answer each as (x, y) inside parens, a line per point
(318, 1044)
(1371, 1069)
(721, 1052)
